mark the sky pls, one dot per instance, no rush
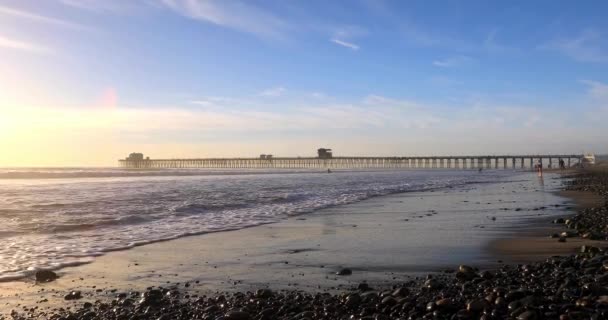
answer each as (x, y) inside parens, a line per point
(86, 82)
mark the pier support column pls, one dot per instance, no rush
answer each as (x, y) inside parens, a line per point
(569, 162)
(495, 163)
(531, 163)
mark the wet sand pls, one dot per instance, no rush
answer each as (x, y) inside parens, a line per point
(535, 244)
(383, 240)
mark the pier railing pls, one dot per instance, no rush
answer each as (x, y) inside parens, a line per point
(432, 162)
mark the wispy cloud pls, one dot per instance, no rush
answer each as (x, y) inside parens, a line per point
(113, 6)
(377, 100)
(39, 18)
(344, 35)
(318, 95)
(345, 44)
(24, 46)
(588, 46)
(597, 90)
(273, 92)
(234, 14)
(452, 62)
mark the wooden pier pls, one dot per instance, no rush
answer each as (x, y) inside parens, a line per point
(432, 162)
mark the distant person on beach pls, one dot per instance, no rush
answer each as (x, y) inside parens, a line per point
(480, 170)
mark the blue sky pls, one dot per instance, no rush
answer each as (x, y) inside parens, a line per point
(93, 80)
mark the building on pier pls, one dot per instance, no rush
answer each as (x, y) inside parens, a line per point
(135, 156)
(324, 153)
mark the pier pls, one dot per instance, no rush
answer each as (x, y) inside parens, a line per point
(417, 162)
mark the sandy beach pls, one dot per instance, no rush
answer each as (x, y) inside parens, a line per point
(382, 240)
(536, 244)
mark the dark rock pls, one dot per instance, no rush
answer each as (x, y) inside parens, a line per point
(263, 293)
(45, 276)
(344, 272)
(237, 315)
(74, 295)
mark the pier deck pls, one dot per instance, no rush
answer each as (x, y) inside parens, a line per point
(418, 162)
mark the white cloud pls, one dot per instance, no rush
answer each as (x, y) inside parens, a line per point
(233, 14)
(273, 92)
(588, 46)
(39, 18)
(345, 44)
(452, 62)
(24, 46)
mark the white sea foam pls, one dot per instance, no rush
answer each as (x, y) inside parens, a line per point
(50, 224)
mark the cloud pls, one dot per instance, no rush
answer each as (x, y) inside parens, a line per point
(39, 18)
(23, 46)
(597, 90)
(344, 35)
(376, 100)
(588, 46)
(233, 14)
(452, 62)
(318, 95)
(273, 92)
(113, 6)
(345, 44)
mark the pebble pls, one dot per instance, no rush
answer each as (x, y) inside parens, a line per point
(344, 272)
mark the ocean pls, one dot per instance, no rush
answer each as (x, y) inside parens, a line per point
(52, 218)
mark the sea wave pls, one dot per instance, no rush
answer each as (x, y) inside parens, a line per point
(54, 224)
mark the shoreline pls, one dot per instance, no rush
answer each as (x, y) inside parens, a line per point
(126, 266)
(537, 244)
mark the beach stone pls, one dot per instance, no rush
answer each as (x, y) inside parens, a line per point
(388, 300)
(237, 315)
(353, 299)
(464, 314)
(45, 276)
(433, 284)
(477, 305)
(74, 295)
(465, 269)
(528, 315)
(514, 295)
(445, 304)
(344, 272)
(263, 293)
(602, 300)
(363, 286)
(568, 234)
(401, 292)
